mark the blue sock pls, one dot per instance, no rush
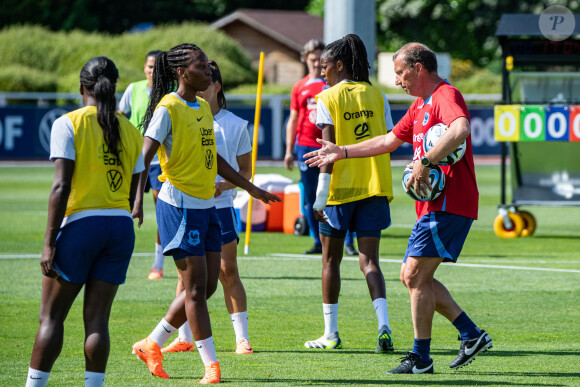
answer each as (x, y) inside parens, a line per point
(467, 329)
(422, 347)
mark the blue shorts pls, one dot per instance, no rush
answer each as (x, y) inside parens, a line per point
(228, 222)
(95, 247)
(367, 217)
(438, 234)
(185, 232)
(153, 180)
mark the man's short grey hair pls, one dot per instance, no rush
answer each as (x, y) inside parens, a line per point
(413, 53)
(311, 46)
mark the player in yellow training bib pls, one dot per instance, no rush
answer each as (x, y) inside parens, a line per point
(89, 237)
(179, 128)
(353, 194)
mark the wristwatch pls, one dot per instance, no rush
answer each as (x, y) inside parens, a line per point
(426, 162)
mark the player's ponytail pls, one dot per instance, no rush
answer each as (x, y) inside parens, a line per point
(216, 76)
(99, 78)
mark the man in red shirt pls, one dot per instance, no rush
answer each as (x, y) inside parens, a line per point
(442, 224)
(302, 133)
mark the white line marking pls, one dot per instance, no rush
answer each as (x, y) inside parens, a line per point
(449, 263)
(302, 257)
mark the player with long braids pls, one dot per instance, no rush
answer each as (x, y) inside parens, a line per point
(301, 136)
(89, 236)
(354, 194)
(179, 127)
(233, 144)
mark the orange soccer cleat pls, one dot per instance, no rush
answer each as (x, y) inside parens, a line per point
(179, 345)
(148, 351)
(155, 273)
(244, 347)
(212, 375)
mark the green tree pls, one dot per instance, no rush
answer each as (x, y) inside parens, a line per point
(120, 16)
(464, 28)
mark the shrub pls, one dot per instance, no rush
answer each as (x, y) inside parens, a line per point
(52, 60)
(22, 78)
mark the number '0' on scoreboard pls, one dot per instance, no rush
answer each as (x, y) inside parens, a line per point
(536, 123)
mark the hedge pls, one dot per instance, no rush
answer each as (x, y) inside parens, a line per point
(37, 59)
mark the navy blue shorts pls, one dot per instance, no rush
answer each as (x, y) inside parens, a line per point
(153, 180)
(438, 234)
(186, 232)
(228, 223)
(367, 217)
(95, 247)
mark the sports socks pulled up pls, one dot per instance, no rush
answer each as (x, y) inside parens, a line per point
(36, 378)
(330, 318)
(380, 305)
(185, 332)
(240, 323)
(162, 332)
(94, 379)
(467, 328)
(159, 257)
(422, 347)
(206, 351)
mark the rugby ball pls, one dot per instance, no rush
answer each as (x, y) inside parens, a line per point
(436, 178)
(432, 136)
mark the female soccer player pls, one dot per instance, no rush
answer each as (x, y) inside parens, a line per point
(302, 133)
(135, 101)
(97, 161)
(233, 144)
(352, 195)
(180, 126)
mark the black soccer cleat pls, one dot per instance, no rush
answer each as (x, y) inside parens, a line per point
(412, 364)
(384, 341)
(316, 249)
(470, 348)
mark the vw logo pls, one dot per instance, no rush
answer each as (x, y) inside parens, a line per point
(208, 159)
(46, 125)
(115, 179)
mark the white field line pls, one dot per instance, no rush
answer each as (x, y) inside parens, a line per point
(306, 257)
(302, 257)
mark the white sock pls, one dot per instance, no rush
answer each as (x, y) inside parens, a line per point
(330, 318)
(159, 257)
(185, 332)
(206, 351)
(380, 305)
(162, 332)
(240, 322)
(94, 379)
(36, 378)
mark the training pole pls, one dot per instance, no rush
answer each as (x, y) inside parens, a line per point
(254, 150)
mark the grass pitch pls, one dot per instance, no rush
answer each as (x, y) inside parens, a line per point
(524, 292)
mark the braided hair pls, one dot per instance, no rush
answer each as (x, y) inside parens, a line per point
(99, 78)
(165, 74)
(353, 54)
(216, 76)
